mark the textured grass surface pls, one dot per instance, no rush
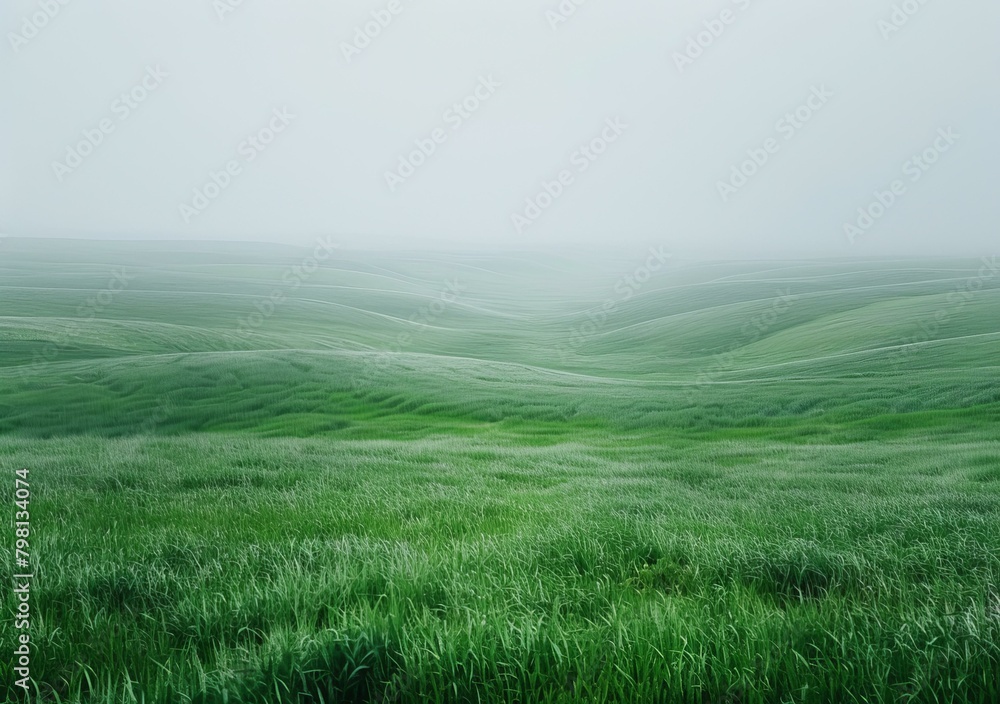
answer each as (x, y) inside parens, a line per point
(769, 482)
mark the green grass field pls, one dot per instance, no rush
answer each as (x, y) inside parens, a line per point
(412, 477)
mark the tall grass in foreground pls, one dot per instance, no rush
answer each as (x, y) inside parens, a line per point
(227, 569)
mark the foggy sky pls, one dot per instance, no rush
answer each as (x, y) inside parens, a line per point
(215, 78)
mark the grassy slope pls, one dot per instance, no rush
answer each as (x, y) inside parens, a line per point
(707, 494)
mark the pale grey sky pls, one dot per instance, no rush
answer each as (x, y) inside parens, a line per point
(878, 87)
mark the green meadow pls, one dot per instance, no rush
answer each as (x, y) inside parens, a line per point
(258, 476)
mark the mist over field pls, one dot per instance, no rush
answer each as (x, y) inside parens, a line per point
(432, 124)
(558, 351)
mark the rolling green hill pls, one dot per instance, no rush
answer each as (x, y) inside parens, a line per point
(223, 340)
(451, 477)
